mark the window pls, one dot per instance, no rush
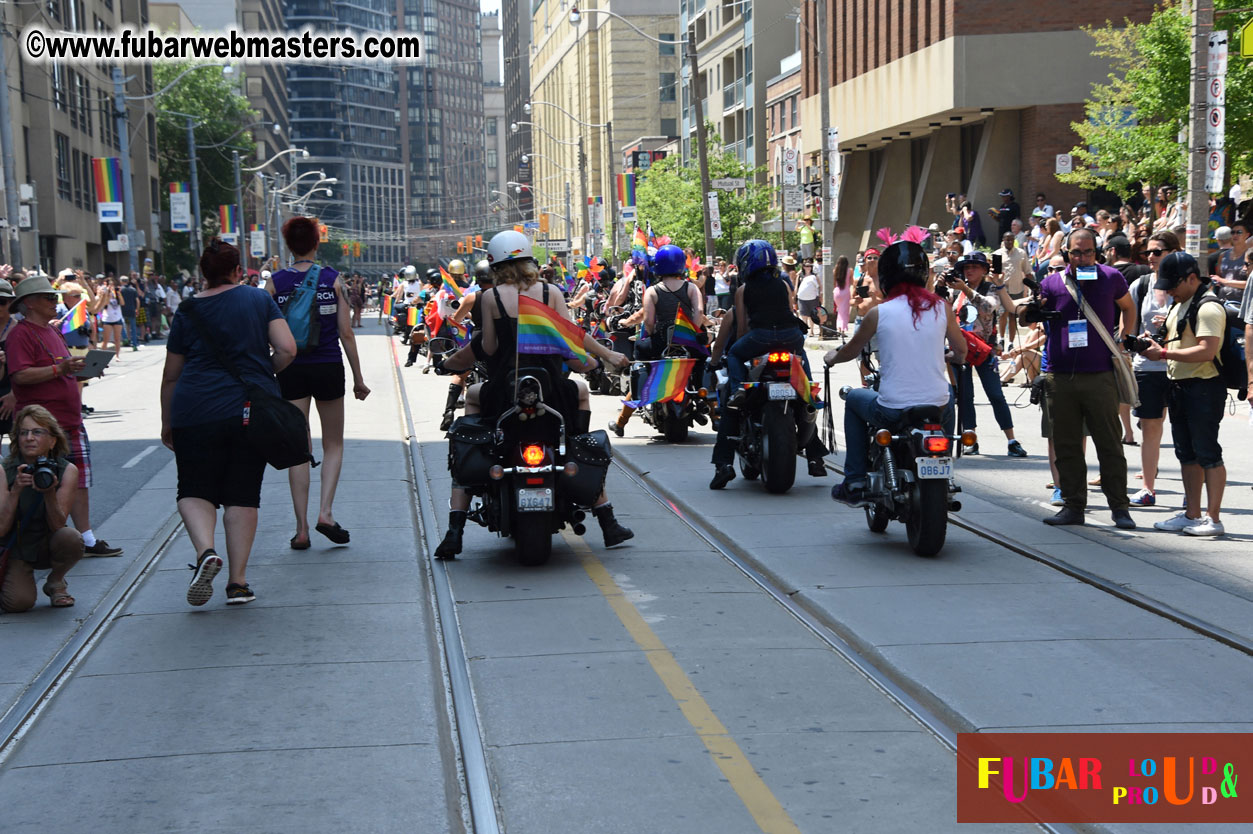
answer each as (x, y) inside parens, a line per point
(669, 127)
(666, 48)
(64, 184)
(795, 123)
(77, 171)
(58, 87)
(491, 158)
(491, 127)
(666, 81)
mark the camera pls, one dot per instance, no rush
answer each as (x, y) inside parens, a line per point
(1135, 344)
(1034, 310)
(42, 471)
(863, 291)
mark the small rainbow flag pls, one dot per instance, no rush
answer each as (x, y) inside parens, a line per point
(638, 239)
(75, 318)
(626, 189)
(460, 332)
(800, 382)
(667, 380)
(450, 284)
(387, 305)
(564, 278)
(179, 188)
(542, 330)
(228, 219)
(253, 227)
(107, 172)
(685, 333)
(411, 317)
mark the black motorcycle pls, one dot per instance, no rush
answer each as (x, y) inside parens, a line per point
(775, 423)
(675, 419)
(527, 481)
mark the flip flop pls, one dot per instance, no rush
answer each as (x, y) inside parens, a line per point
(57, 595)
(333, 532)
(304, 545)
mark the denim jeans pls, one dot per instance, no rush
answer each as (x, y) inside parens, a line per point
(130, 330)
(989, 376)
(759, 341)
(861, 411)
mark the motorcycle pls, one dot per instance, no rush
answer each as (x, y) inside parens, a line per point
(613, 381)
(528, 483)
(675, 419)
(910, 476)
(775, 423)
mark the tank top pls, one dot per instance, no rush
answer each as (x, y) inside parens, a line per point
(668, 304)
(496, 392)
(325, 306)
(766, 299)
(112, 311)
(911, 355)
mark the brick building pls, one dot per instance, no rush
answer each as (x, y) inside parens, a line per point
(939, 96)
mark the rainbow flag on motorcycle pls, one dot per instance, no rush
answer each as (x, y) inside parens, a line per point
(450, 284)
(411, 317)
(666, 382)
(801, 383)
(638, 239)
(542, 330)
(564, 278)
(430, 315)
(685, 333)
(387, 305)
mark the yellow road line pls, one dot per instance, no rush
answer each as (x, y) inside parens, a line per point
(747, 784)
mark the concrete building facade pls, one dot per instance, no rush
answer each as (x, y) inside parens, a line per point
(63, 117)
(783, 130)
(609, 81)
(495, 126)
(515, 20)
(940, 96)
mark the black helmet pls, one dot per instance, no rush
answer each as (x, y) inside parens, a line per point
(432, 276)
(902, 262)
(607, 274)
(482, 270)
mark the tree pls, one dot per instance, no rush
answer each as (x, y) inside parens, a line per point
(670, 199)
(221, 111)
(1131, 135)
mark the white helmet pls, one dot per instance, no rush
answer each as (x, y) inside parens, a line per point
(508, 246)
(411, 270)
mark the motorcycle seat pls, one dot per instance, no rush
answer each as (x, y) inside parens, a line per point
(919, 414)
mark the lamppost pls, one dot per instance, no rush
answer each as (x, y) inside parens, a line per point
(582, 163)
(702, 156)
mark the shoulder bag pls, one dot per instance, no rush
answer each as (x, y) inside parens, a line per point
(1128, 388)
(276, 429)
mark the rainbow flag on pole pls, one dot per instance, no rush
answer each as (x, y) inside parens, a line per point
(667, 381)
(228, 219)
(799, 381)
(626, 189)
(179, 188)
(639, 240)
(107, 172)
(75, 318)
(542, 330)
(685, 333)
(387, 306)
(411, 316)
(450, 284)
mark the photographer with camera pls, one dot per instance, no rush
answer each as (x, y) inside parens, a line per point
(1195, 329)
(1079, 374)
(39, 488)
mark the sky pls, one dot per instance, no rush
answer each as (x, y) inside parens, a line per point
(489, 6)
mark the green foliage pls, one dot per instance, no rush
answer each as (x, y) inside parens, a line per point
(1134, 119)
(221, 111)
(670, 198)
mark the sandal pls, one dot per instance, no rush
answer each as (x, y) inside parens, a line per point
(300, 545)
(334, 532)
(58, 596)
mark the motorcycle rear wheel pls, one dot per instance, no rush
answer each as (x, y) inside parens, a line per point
(532, 539)
(675, 429)
(927, 523)
(778, 452)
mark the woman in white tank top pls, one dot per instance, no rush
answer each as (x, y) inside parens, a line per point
(109, 308)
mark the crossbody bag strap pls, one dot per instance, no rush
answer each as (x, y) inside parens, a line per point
(1096, 323)
(211, 343)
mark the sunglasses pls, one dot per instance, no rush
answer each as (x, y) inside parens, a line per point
(871, 258)
(1056, 268)
(1155, 252)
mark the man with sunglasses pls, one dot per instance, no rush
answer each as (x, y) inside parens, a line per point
(1079, 371)
(1232, 274)
(43, 373)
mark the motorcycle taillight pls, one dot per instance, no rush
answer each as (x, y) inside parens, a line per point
(779, 358)
(533, 455)
(936, 444)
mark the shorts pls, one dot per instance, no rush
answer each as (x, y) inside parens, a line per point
(320, 380)
(1196, 413)
(216, 463)
(1154, 395)
(808, 309)
(141, 317)
(80, 453)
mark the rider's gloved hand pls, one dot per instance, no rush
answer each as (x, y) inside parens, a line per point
(440, 370)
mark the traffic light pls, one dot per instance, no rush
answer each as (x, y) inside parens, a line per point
(347, 247)
(461, 247)
(324, 234)
(543, 222)
(478, 240)
(356, 249)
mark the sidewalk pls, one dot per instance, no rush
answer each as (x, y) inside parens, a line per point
(279, 715)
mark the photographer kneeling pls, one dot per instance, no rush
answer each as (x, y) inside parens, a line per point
(37, 493)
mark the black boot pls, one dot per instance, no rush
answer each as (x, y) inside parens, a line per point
(450, 407)
(451, 545)
(614, 532)
(582, 423)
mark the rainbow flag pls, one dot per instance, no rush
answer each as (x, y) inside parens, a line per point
(542, 330)
(411, 317)
(638, 239)
(107, 172)
(228, 220)
(799, 381)
(75, 318)
(387, 305)
(430, 314)
(685, 333)
(693, 269)
(564, 278)
(666, 381)
(652, 239)
(626, 189)
(179, 188)
(460, 332)
(450, 284)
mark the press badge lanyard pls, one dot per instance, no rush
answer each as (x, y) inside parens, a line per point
(1077, 329)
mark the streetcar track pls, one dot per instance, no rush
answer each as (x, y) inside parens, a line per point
(40, 692)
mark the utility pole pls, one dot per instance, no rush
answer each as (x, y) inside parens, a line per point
(611, 202)
(239, 212)
(702, 154)
(569, 231)
(587, 209)
(1198, 198)
(10, 165)
(829, 195)
(124, 148)
(196, 228)
(34, 220)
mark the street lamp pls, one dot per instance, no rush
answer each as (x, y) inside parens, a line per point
(610, 154)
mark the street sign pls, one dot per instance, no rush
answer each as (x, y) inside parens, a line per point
(1065, 164)
(834, 169)
(826, 254)
(109, 212)
(1218, 52)
(790, 176)
(1218, 90)
(23, 216)
(628, 214)
(119, 244)
(833, 138)
(1215, 136)
(180, 211)
(1215, 163)
(25, 192)
(256, 243)
(715, 219)
(728, 183)
(793, 198)
(531, 225)
(1246, 40)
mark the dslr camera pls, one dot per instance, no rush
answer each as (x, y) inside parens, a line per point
(42, 471)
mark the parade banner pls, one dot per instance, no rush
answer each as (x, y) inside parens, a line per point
(180, 207)
(107, 173)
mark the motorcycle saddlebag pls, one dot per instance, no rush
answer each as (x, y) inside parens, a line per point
(470, 450)
(592, 453)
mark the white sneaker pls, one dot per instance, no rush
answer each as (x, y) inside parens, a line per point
(1205, 527)
(1177, 522)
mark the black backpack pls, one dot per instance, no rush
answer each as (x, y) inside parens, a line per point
(1230, 359)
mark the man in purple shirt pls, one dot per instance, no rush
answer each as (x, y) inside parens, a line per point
(1079, 370)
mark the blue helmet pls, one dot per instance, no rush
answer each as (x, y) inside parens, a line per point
(755, 255)
(670, 260)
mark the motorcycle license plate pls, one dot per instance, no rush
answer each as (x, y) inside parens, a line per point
(535, 500)
(781, 391)
(934, 468)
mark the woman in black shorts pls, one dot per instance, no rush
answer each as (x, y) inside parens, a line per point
(318, 375)
(202, 407)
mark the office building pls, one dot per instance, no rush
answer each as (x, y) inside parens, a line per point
(515, 21)
(495, 127)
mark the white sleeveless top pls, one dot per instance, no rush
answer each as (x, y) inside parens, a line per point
(112, 311)
(911, 356)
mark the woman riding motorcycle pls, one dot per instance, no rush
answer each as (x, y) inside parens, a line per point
(913, 324)
(517, 273)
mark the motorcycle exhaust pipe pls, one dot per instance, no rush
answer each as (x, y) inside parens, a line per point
(578, 529)
(954, 506)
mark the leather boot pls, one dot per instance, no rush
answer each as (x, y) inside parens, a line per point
(451, 545)
(614, 532)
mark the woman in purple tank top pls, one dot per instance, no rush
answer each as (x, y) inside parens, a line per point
(318, 375)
